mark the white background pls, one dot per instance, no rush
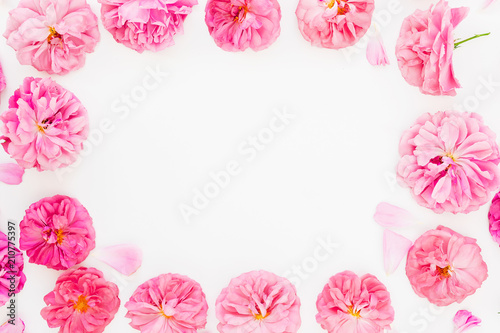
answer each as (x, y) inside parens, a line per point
(321, 177)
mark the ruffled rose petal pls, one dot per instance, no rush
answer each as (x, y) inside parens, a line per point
(390, 216)
(395, 249)
(18, 327)
(125, 258)
(11, 173)
(465, 320)
(375, 51)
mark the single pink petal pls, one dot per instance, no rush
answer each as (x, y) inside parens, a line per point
(465, 320)
(488, 3)
(11, 173)
(375, 51)
(396, 247)
(125, 258)
(15, 326)
(390, 216)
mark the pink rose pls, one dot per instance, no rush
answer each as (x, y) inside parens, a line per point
(236, 25)
(45, 125)
(425, 48)
(145, 24)
(52, 35)
(445, 267)
(353, 304)
(258, 302)
(81, 302)
(449, 160)
(334, 24)
(6, 271)
(169, 303)
(494, 218)
(57, 232)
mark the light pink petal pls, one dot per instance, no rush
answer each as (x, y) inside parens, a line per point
(11, 173)
(125, 258)
(488, 3)
(7, 327)
(396, 247)
(465, 320)
(390, 216)
(375, 52)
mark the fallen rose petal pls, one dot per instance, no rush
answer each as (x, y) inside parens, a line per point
(390, 216)
(465, 320)
(488, 3)
(125, 258)
(375, 51)
(11, 173)
(7, 327)
(396, 247)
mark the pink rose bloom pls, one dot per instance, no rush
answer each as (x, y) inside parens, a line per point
(425, 49)
(445, 267)
(45, 125)
(52, 35)
(236, 25)
(334, 24)
(57, 232)
(449, 160)
(9, 268)
(258, 302)
(494, 218)
(81, 302)
(353, 304)
(169, 303)
(145, 24)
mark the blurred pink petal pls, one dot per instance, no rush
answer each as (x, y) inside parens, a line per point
(125, 258)
(465, 320)
(2, 79)
(375, 51)
(8, 327)
(390, 216)
(396, 247)
(488, 3)
(11, 173)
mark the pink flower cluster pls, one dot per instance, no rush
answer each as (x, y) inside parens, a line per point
(57, 232)
(52, 35)
(445, 267)
(45, 125)
(449, 160)
(10, 266)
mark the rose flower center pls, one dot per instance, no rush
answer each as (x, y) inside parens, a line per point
(242, 13)
(444, 272)
(259, 316)
(353, 312)
(53, 34)
(81, 305)
(343, 7)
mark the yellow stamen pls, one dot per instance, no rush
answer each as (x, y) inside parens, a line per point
(53, 34)
(81, 305)
(444, 271)
(259, 316)
(340, 10)
(60, 236)
(353, 312)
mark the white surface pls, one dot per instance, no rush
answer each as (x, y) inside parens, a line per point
(322, 176)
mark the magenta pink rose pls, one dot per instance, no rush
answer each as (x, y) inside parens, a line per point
(11, 265)
(445, 267)
(169, 303)
(353, 304)
(236, 25)
(82, 302)
(494, 218)
(425, 48)
(52, 35)
(45, 125)
(145, 24)
(258, 302)
(449, 160)
(334, 24)
(57, 232)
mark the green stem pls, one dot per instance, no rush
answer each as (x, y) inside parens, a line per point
(457, 44)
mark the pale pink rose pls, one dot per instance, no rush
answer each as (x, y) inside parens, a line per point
(464, 320)
(494, 218)
(236, 25)
(52, 35)
(169, 303)
(425, 48)
(258, 302)
(45, 125)
(145, 24)
(334, 24)
(445, 267)
(11, 173)
(449, 160)
(125, 258)
(57, 232)
(353, 304)
(10, 268)
(82, 302)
